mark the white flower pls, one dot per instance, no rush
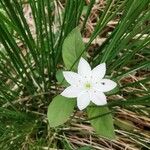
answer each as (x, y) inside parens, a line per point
(88, 85)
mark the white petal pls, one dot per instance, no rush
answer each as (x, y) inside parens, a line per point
(71, 92)
(84, 68)
(98, 98)
(98, 72)
(105, 85)
(83, 100)
(72, 78)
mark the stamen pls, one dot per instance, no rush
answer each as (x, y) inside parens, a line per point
(88, 86)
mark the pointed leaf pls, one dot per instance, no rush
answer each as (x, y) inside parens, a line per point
(59, 110)
(60, 78)
(73, 47)
(103, 123)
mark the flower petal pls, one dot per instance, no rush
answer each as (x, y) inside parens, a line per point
(84, 68)
(98, 98)
(98, 72)
(72, 78)
(105, 85)
(83, 100)
(71, 92)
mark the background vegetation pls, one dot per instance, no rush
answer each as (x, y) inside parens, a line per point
(32, 34)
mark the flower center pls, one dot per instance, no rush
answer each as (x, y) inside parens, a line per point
(88, 86)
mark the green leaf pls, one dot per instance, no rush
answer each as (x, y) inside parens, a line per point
(60, 78)
(60, 110)
(102, 121)
(73, 48)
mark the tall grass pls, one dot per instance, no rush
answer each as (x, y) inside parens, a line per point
(30, 58)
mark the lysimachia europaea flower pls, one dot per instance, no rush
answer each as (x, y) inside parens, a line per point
(88, 84)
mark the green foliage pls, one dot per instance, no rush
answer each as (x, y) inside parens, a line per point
(15, 126)
(63, 107)
(60, 110)
(102, 121)
(60, 78)
(30, 58)
(73, 48)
